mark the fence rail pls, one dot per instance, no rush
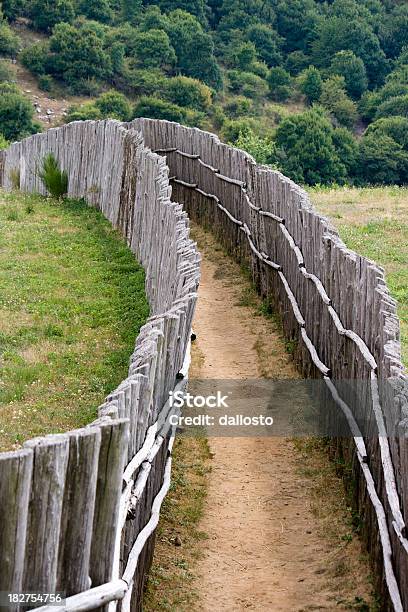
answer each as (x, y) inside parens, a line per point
(335, 305)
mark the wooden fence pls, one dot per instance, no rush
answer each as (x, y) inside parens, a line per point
(334, 304)
(78, 510)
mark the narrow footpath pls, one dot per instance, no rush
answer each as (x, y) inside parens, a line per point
(277, 539)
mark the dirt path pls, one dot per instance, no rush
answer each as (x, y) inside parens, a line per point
(266, 549)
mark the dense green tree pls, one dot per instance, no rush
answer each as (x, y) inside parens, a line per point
(194, 49)
(336, 34)
(248, 84)
(197, 8)
(308, 154)
(311, 84)
(335, 100)
(347, 150)
(188, 92)
(280, 84)
(114, 105)
(9, 42)
(98, 10)
(16, 113)
(351, 67)
(14, 8)
(394, 127)
(382, 160)
(143, 82)
(394, 106)
(159, 109)
(153, 49)
(45, 14)
(244, 56)
(34, 57)
(296, 62)
(394, 31)
(131, 10)
(296, 23)
(78, 53)
(267, 43)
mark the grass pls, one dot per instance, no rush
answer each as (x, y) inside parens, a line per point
(374, 222)
(178, 541)
(71, 304)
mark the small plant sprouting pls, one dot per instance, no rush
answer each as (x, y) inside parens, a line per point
(55, 180)
(15, 178)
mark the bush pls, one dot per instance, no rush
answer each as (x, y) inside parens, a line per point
(34, 57)
(185, 91)
(382, 160)
(45, 82)
(311, 84)
(280, 84)
(234, 129)
(3, 142)
(153, 49)
(347, 149)
(296, 62)
(55, 180)
(394, 127)
(335, 100)
(5, 72)
(247, 84)
(155, 108)
(16, 113)
(307, 151)
(352, 68)
(143, 82)
(262, 149)
(394, 106)
(238, 106)
(9, 42)
(83, 112)
(46, 14)
(114, 105)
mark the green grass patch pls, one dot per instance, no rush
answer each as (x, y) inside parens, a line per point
(72, 302)
(374, 223)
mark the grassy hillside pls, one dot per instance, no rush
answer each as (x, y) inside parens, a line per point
(374, 222)
(71, 304)
(318, 88)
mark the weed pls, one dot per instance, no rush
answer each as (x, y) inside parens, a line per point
(15, 178)
(55, 180)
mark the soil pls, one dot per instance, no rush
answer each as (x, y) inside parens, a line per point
(269, 546)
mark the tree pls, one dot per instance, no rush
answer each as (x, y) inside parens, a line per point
(45, 14)
(153, 49)
(311, 84)
(280, 84)
(382, 160)
(248, 84)
(394, 106)
(296, 23)
(335, 100)
(131, 10)
(34, 57)
(394, 31)
(159, 109)
(188, 92)
(16, 113)
(347, 149)
(98, 10)
(114, 105)
(194, 7)
(78, 53)
(244, 56)
(351, 67)
(307, 151)
(194, 49)
(267, 43)
(261, 149)
(9, 42)
(394, 127)
(13, 9)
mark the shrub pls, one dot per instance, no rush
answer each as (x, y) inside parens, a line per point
(45, 82)
(3, 142)
(16, 113)
(335, 99)
(114, 105)
(238, 106)
(55, 180)
(34, 57)
(247, 84)
(46, 14)
(394, 127)
(9, 42)
(280, 84)
(83, 112)
(153, 49)
(143, 82)
(393, 106)
(311, 84)
(185, 91)
(262, 149)
(382, 160)
(352, 68)
(159, 109)
(5, 72)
